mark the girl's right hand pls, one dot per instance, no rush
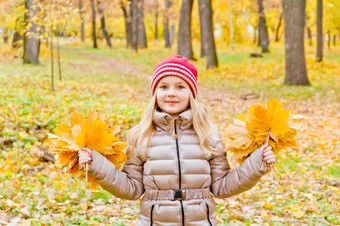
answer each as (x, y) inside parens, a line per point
(85, 156)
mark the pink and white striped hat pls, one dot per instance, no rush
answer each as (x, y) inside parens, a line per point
(175, 66)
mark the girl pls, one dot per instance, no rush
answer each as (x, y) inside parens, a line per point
(176, 157)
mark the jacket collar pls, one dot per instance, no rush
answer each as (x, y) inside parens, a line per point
(162, 120)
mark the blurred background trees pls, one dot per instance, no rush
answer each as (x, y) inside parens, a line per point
(170, 24)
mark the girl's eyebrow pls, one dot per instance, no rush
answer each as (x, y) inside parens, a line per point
(177, 83)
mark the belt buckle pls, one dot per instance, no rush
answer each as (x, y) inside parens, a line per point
(179, 194)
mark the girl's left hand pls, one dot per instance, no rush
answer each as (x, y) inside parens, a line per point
(267, 153)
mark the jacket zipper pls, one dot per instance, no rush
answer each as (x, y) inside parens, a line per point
(180, 174)
(208, 214)
(151, 222)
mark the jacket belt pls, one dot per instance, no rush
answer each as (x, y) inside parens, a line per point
(187, 194)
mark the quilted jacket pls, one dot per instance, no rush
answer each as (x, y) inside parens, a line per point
(176, 177)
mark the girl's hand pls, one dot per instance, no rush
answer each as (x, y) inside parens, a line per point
(267, 153)
(85, 156)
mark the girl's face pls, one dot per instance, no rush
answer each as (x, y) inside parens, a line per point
(172, 95)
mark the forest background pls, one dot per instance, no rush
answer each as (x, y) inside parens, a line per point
(241, 50)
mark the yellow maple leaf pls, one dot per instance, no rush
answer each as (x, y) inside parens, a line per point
(240, 142)
(261, 122)
(270, 119)
(94, 132)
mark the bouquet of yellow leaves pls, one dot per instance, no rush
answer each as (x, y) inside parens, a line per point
(94, 132)
(262, 124)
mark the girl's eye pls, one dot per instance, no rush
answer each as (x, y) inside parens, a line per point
(181, 87)
(163, 87)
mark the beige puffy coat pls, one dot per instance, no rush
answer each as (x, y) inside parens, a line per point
(177, 164)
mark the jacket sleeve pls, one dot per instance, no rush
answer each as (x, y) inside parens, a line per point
(125, 184)
(227, 182)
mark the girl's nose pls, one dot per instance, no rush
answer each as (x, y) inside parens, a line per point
(171, 92)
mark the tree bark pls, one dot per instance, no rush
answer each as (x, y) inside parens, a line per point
(17, 37)
(294, 23)
(31, 41)
(142, 40)
(319, 41)
(258, 36)
(134, 24)
(82, 28)
(201, 29)
(208, 32)
(263, 28)
(184, 45)
(329, 39)
(58, 46)
(94, 35)
(172, 34)
(334, 40)
(231, 26)
(51, 45)
(255, 35)
(102, 23)
(5, 34)
(166, 19)
(277, 37)
(127, 19)
(156, 27)
(309, 34)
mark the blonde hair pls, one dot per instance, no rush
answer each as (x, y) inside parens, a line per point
(140, 135)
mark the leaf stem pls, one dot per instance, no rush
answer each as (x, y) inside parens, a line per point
(86, 172)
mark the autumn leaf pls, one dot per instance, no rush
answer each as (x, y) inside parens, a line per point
(240, 142)
(94, 132)
(250, 131)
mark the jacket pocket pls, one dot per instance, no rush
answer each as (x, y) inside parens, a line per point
(208, 214)
(151, 222)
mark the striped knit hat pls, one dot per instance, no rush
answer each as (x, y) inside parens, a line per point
(175, 66)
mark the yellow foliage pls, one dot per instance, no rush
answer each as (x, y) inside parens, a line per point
(94, 132)
(250, 131)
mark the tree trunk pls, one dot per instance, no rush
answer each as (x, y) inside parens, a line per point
(134, 24)
(102, 23)
(166, 18)
(263, 28)
(17, 37)
(172, 34)
(201, 29)
(82, 29)
(255, 35)
(127, 19)
(329, 39)
(277, 38)
(142, 41)
(319, 41)
(309, 34)
(94, 35)
(208, 32)
(31, 41)
(58, 46)
(184, 45)
(156, 28)
(294, 23)
(231, 26)
(258, 36)
(5, 34)
(334, 40)
(51, 45)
